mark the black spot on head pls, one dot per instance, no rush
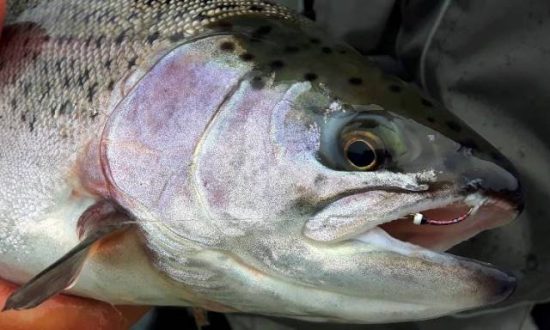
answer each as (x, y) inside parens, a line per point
(246, 57)
(256, 8)
(430, 119)
(291, 49)
(257, 83)
(111, 85)
(355, 81)
(310, 76)
(326, 50)
(227, 46)
(262, 31)
(315, 41)
(427, 103)
(277, 64)
(395, 88)
(453, 125)
(224, 25)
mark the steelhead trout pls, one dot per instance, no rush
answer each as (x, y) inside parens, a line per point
(228, 155)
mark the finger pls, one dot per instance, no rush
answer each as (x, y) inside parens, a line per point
(68, 312)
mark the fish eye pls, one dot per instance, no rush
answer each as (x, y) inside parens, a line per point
(362, 151)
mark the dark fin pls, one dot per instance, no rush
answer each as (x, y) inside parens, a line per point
(94, 224)
(201, 317)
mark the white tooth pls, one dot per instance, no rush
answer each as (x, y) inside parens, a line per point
(417, 220)
(475, 201)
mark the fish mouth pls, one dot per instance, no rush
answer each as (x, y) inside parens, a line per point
(445, 223)
(381, 253)
(440, 227)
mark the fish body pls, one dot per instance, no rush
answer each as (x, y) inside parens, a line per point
(261, 164)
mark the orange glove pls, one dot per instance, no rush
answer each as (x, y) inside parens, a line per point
(65, 312)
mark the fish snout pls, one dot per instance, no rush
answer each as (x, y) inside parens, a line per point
(496, 179)
(494, 285)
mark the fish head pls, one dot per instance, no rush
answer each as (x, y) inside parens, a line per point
(274, 171)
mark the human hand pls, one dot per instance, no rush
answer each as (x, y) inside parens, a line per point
(65, 312)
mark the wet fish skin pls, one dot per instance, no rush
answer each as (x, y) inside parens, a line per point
(75, 102)
(62, 63)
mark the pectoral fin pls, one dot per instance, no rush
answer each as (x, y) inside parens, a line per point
(95, 224)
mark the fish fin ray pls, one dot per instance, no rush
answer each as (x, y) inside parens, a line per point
(94, 225)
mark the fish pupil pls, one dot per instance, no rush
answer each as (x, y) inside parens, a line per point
(360, 154)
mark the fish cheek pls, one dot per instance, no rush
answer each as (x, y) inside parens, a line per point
(236, 165)
(148, 144)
